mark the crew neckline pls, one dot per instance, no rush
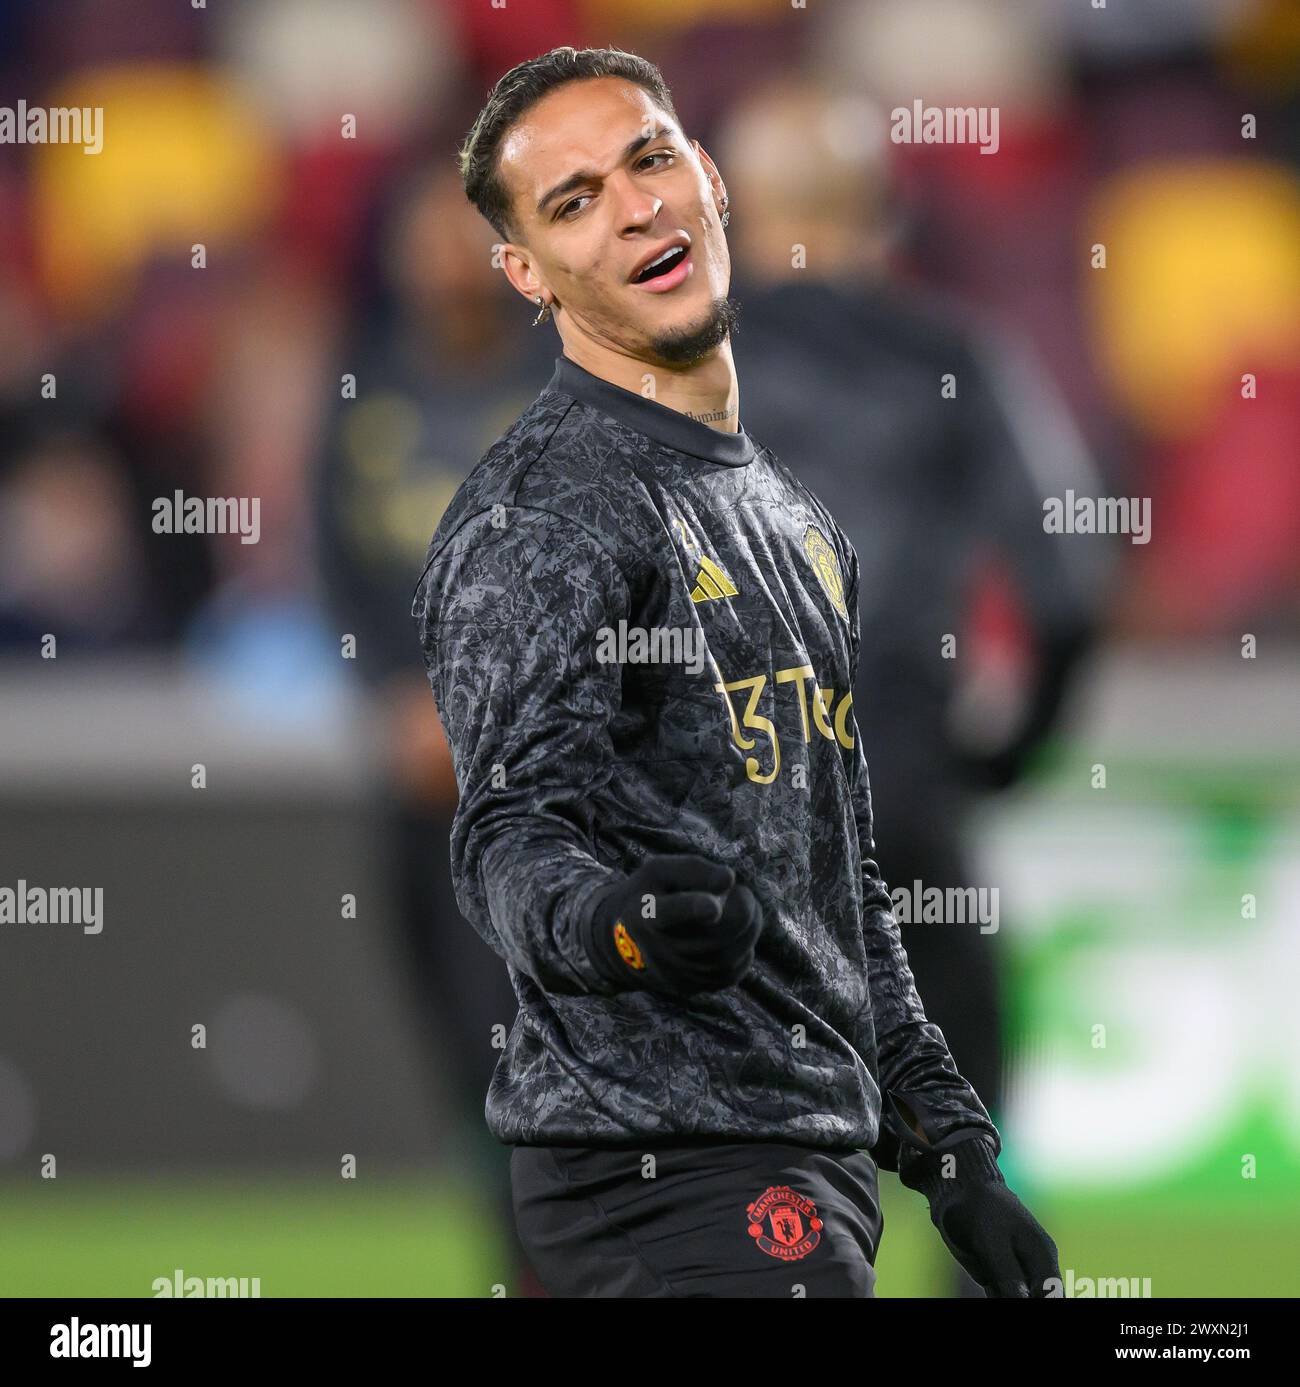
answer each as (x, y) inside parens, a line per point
(670, 427)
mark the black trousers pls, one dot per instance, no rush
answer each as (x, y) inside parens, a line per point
(708, 1219)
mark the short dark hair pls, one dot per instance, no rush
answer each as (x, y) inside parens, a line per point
(521, 88)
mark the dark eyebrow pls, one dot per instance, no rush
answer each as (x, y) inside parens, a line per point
(584, 176)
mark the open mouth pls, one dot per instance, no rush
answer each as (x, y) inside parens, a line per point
(666, 271)
(669, 261)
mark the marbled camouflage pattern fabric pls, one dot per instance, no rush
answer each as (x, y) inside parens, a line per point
(599, 508)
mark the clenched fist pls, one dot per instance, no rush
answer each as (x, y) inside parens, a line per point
(699, 937)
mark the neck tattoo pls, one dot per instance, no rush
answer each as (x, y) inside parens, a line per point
(711, 418)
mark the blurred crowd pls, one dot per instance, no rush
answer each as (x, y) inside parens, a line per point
(326, 250)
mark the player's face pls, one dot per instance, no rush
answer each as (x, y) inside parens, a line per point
(603, 183)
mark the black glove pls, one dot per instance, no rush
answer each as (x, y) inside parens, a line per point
(700, 938)
(984, 1225)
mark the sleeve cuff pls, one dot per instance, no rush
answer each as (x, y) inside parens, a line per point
(593, 961)
(932, 1174)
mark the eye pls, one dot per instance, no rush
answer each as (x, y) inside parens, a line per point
(656, 154)
(572, 205)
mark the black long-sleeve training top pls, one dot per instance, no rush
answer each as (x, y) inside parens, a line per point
(602, 529)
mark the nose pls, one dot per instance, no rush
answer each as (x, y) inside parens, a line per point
(637, 209)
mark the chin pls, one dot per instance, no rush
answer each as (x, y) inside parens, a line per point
(698, 334)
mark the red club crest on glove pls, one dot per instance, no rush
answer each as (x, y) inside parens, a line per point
(784, 1224)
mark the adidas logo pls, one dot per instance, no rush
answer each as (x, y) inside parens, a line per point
(712, 583)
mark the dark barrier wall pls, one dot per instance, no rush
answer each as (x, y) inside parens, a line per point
(221, 914)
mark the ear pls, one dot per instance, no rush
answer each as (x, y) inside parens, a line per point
(518, 267)
(711, 170)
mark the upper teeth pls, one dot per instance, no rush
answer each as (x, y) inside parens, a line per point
(659, 260)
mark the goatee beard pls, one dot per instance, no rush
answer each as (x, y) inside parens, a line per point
(686, 346)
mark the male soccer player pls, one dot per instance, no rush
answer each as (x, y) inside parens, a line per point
(641, 634)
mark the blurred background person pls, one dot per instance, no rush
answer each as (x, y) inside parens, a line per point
(973, 618)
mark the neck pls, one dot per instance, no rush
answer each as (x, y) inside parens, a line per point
(707, 391)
